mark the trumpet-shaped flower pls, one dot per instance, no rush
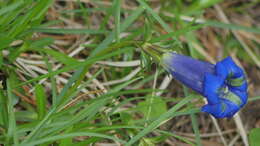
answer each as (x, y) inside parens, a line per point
(223, 84)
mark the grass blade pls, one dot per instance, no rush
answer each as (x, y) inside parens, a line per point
(40, 101)
(159, 121)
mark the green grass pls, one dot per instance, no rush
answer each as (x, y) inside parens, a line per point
(78, 111)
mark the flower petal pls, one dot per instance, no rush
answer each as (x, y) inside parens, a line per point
(187, 70)
(221, 70)
(232, 108)
(215, 110)
(242, 87)
(224, 109)
(212, 84)
(232, 68)
(241, 94)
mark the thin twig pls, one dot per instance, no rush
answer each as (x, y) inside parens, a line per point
(25, 98)
(233, 141)
(121, 63)
(126, 78)
(219, 131)
(165, 83)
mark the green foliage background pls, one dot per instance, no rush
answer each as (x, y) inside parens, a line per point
(37, 108)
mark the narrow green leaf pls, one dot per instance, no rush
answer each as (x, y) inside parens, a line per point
(194, 122)
(3, 109)
(202, 4)
(40, 101)
(63, 136)
(63, 58)
(4, 41)
(195, 129)
(123, 27)
(10, 7)
(232, 26)
(68, 31)
(156, 16)
(117, 19)
(15, 53)
(11, 134)
(158, 121)
(22, 23)
(176, 33)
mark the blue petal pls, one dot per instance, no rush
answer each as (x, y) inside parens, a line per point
(224, 109)
(241, 94)
(215, 110)
(232, 68)
(232, 108)
(212, 84)
(221, 70)
(188, 81)
(187, 70)
(242, 87)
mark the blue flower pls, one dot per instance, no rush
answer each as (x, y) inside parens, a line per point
(224, 84)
